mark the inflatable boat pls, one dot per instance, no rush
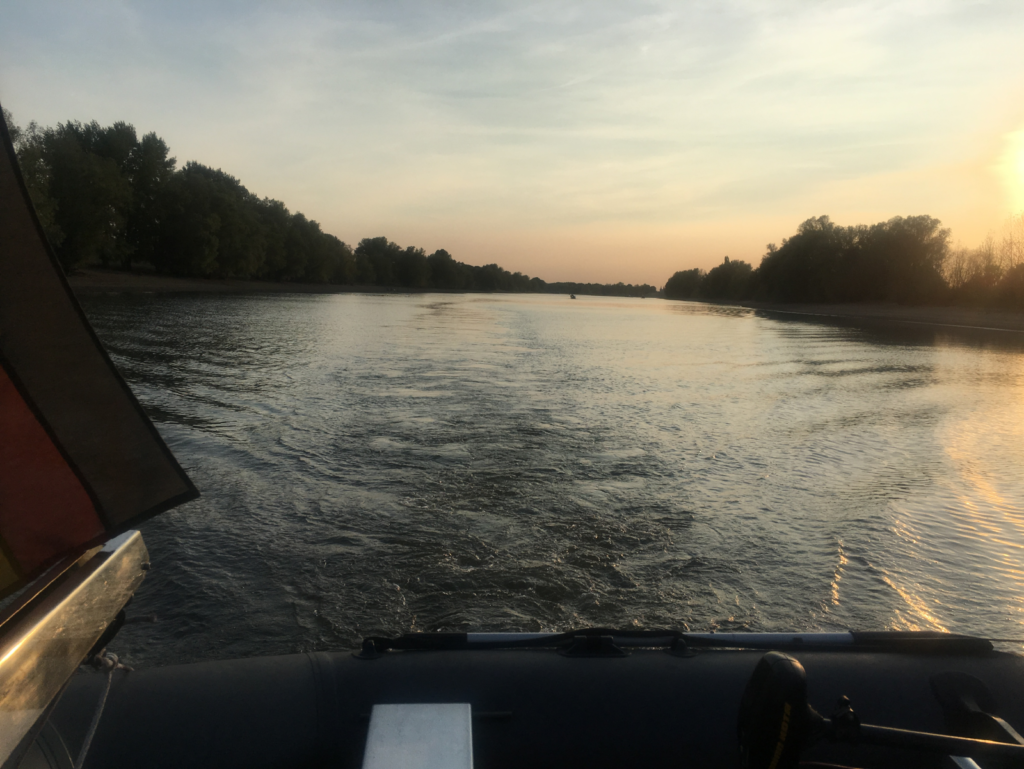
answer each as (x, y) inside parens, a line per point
(589, 699)
(81, 466)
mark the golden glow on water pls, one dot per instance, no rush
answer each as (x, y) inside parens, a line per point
(987, 511)
(962, 535)
(531, 463)
(838, 574)
(917, 610)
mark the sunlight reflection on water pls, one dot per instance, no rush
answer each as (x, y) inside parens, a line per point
(379, 464)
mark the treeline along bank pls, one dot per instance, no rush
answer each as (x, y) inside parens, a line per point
(106, 197)
(907, 260)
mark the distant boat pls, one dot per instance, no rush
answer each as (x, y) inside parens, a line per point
(572, 296)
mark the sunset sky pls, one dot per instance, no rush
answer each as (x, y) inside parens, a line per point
(590, 141)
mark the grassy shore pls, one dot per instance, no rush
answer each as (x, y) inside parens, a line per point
(97, 281)
(952, 317)
(92, 281)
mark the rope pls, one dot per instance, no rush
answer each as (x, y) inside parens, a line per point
(110, 663)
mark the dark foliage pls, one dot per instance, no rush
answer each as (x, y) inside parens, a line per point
(907, 260)
(684, 284)
(895, 261)
(600, 289)
(106, 197)
(729, 280)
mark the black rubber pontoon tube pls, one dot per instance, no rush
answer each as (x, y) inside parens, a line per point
(885, 736)
(925, 642)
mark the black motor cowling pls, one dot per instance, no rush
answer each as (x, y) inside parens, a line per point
(773, 718)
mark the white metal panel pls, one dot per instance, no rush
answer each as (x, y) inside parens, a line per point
(432, 736)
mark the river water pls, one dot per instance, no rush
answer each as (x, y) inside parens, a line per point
(378, 464)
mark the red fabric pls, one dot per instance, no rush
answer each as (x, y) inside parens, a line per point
(44, 510)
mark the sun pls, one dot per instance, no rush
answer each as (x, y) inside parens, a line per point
(1011, 167)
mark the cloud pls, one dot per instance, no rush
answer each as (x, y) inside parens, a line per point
(535, 116)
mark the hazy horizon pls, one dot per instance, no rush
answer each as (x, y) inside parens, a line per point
(570, 141)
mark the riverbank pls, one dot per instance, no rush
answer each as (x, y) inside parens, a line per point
(94, 280)
(97, 281)
(954, 317)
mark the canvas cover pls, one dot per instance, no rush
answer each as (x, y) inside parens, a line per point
(79, 459)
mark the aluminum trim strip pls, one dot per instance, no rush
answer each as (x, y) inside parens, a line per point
(40, 651)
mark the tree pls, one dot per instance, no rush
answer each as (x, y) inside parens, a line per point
(684, 284)
(444, 270)
(105, 196)
(92, 197)
(906, 255)
(149, 167)
(188, 242)
(411, 268)
(957, 268)
(12, 128)
(117, 142)
(1012, 252)
(342, 259)
(275, 220)
(730, 280)
(29, 144)
(378, 256)
(1011, 288)
(807, 267)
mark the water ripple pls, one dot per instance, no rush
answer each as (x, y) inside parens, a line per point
(381, 464)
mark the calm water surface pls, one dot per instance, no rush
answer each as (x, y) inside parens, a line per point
(384, 464)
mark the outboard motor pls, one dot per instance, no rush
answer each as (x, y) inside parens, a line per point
(774, 714)
(776, 722)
